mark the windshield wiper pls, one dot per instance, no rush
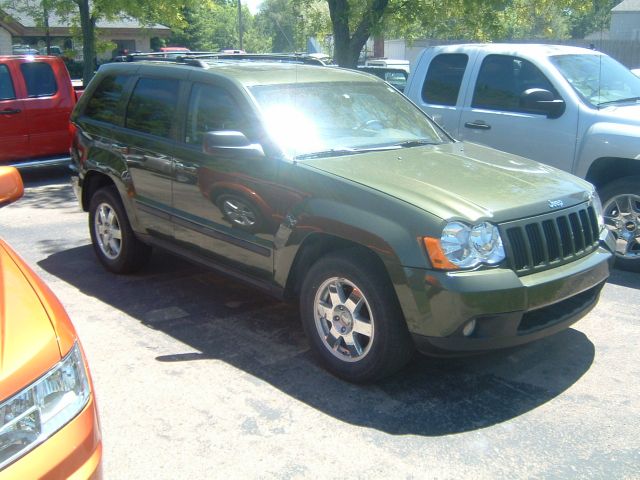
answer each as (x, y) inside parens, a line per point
(415, 143)
(620, 100)
(337, 152)
(334, 152)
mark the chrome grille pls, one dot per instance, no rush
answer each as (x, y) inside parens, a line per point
(538, 243)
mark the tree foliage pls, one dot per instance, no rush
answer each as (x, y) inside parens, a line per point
(209, 26)
(86, 13)
(286, 24)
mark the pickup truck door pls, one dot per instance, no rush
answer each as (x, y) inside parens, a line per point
(48, 104)
(14, 136)
(493, 114)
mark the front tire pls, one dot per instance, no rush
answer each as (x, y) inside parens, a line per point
(352, 318)
(114, 242)
(621, 207)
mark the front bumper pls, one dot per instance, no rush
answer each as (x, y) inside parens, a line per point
(508, 310)
(74, 452)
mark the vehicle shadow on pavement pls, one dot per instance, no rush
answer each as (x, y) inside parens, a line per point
(42, 188)
(228, 321)
(624, 279)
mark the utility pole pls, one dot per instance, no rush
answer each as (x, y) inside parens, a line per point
(240, 23)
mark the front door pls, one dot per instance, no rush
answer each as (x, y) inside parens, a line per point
(14, 135)
(224, 204)
(494, 115)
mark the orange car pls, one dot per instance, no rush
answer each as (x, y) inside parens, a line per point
(48, 419)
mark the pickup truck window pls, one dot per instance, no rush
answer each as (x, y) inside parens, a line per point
(103, 105)
(6, 84)
(211, 108)
(152, 106)
(503, 79)
(39, 78)
(598, 79)
(444, 79)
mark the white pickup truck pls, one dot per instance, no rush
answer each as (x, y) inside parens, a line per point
(572, 108)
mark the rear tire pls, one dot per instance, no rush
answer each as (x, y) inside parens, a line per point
(352, 318)
(621, 206)
(114, 242)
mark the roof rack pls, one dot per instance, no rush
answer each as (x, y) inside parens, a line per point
(199, 58)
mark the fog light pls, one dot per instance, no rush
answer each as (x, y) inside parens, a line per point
(468, 329)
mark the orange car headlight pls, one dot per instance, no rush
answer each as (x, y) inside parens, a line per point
(35, 413)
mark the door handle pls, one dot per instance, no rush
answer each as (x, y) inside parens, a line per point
(10, 111)
(478, 125)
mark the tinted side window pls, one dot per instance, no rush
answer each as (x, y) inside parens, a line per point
(40, 80)
(211, 108)
(103, 105)
(444, 78)
(152, 107)
(503, 79)
(6, 84)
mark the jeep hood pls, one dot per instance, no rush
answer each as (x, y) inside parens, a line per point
(28, 340)
(461, 180)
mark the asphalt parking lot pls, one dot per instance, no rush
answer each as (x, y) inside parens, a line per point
(201, 377)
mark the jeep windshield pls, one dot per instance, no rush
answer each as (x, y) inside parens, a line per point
(598, 79)
(311, 120)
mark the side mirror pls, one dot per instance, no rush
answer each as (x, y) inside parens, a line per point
(231, 143)
(539, 100)
(11, 187)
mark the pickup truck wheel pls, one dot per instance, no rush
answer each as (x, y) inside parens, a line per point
(352, 318)
(621, 207)
(114, 242)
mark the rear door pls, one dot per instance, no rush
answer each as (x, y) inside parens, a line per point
(48, 106)
(14, 137)
(147, 145)
(494, 115)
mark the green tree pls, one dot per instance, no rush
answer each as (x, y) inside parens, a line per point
(595, 16)
(353, 23)
(86, 13)
(208, 26)
(286, 24)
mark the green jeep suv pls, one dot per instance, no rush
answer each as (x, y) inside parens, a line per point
(328, 186)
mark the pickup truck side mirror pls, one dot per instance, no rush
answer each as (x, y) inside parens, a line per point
(230, 143)
(539, 100)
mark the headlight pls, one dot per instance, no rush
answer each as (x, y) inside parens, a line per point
(597, 207)
(464, 246)
(31, 416)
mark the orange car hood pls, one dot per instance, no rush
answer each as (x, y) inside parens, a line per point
(29, 343)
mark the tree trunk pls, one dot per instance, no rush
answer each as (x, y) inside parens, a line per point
(347, 48)
(87, 24)
(47, 31)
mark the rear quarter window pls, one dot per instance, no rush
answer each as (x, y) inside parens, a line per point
(103, 105)
(39, 78)
(152, 107)
(444, 79)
